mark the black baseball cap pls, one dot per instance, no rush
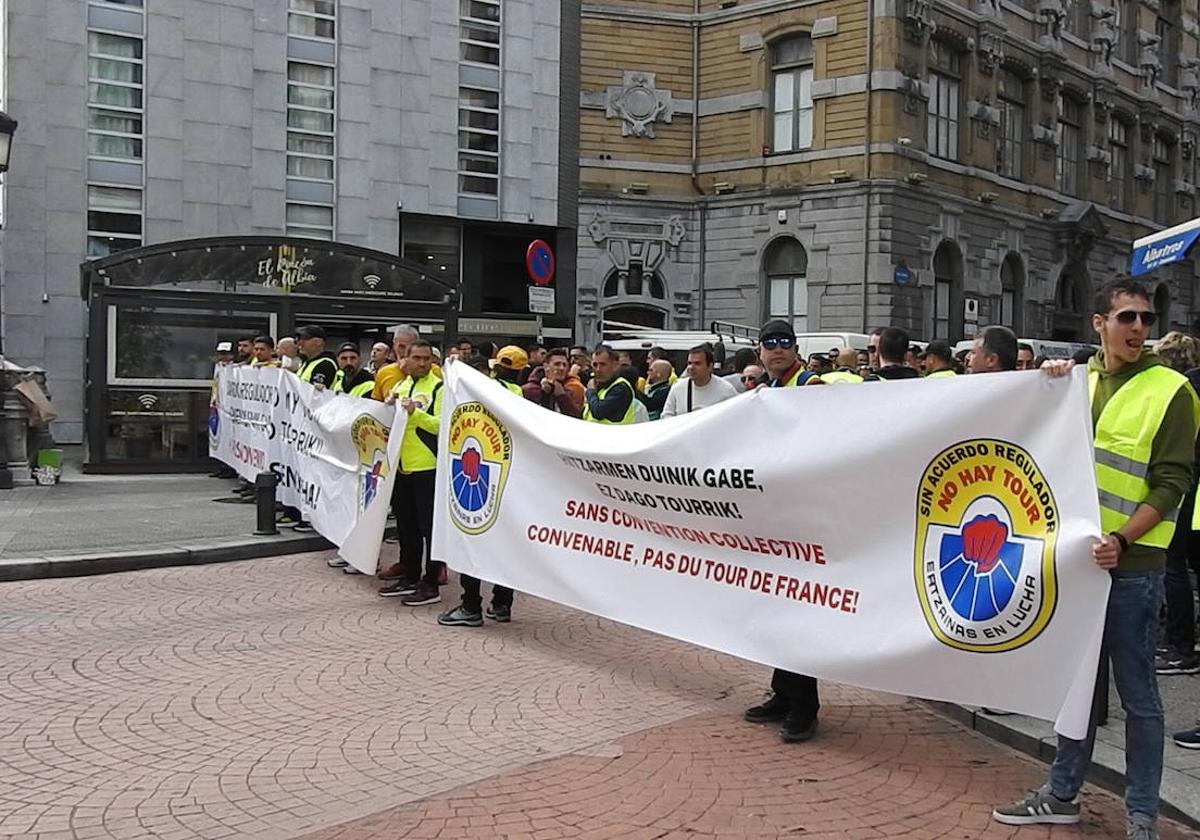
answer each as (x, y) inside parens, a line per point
(777, 327)
(310, 331)
(349, 345)
(940, 349)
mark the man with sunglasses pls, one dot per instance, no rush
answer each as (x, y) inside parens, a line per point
(1145, 416)
(795, 700)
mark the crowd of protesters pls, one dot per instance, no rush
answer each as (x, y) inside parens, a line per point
(1144, 551)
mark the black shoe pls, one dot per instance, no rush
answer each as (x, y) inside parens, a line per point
(797, 728)
(1172, 664)
(303, 527)
(425, 594)
(400, 588)
(499, 614)
(773, 710)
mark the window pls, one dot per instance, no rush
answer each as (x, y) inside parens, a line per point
(1068, 137)
(479, 32)
(312, 18)
(1163, 153)
(1078, 14)
(945, 73)
(116, 76)
(785, 264)
(1118, 170)
(309, 220)
(1010, 152)
(1012, 281)
(791, 93)
(1162, 306)
(311, 120)
(1128, 48)
(1166, 27)
(479, 107)
(947, 292)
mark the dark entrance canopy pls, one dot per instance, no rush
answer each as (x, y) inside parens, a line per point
(156, 313)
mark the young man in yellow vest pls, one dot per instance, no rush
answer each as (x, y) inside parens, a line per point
(419, 400)
(1145, 417)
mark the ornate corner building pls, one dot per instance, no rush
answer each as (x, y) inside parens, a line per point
(933, 164)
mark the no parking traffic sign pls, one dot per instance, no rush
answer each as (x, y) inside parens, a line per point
(539, 262)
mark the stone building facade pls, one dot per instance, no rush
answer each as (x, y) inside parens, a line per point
(427, 129)
(983, 162)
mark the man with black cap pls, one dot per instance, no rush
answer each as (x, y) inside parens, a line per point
(795, 701)
(938, 360)
(777, 349)
(319, 366)
(350, 378)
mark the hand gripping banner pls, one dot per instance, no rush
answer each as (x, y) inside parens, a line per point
(929, 538)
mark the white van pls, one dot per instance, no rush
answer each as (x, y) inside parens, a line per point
(726, 340)
(1041, 347)
(823, 342)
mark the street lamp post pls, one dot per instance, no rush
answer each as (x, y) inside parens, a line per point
(8, 127)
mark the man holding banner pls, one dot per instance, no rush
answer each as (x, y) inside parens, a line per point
(1145, 417)
(419, 397)
(795, 700)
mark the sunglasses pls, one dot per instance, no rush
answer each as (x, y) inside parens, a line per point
(748, 378)
(781, 342)
(1130, 315)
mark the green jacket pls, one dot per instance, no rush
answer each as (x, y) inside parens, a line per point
(1171, 456)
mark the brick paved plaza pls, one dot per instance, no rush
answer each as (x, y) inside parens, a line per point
(281, 699)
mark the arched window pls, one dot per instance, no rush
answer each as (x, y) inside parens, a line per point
(1162, 305)
(785, 265)
(1012, 283)
(947, 292)
(791, 94)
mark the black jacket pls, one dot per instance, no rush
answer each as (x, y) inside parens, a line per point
(890, 373)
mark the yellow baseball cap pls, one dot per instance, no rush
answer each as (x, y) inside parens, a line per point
(511, 357)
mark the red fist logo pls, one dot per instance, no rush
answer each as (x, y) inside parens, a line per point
(470, 464)
(983, 537)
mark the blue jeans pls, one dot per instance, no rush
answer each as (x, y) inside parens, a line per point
(1130, 632)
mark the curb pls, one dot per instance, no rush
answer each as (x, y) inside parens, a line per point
(103, 563)
(1179, 799)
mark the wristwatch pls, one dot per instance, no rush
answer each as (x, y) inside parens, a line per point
(1121, 539)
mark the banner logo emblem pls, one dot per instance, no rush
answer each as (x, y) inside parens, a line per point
(214, 425)
(370, 440)
(480, 451)
(985, 555)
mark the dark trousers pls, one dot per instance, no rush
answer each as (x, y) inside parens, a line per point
(412, 502)
(1182, 553)
(472, 601)
(800, 691)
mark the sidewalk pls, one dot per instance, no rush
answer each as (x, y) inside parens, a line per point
(101, 524)
(1181, 768)
(95, 524)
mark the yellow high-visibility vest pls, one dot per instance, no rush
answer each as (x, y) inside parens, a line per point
(624, 421)
(940, 374)
(1124, 438)
(841, 377)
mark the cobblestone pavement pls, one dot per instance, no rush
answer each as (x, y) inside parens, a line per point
(279, 698)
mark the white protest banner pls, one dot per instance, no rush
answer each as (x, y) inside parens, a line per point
(930, 538)
(329, 452)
